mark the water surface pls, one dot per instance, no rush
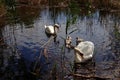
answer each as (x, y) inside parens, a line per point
(24, 35)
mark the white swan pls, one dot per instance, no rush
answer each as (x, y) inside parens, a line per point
(52, 30)
(84, 51)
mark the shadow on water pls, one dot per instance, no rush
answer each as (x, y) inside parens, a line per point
(24, 34)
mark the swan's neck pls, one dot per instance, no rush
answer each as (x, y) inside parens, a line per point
(55, 29)
(78, 57)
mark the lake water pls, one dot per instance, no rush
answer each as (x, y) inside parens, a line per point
(24, 34)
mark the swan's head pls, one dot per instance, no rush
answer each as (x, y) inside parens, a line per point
(69, 38)
(57, 26)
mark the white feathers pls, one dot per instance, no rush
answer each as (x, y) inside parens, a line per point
(86, 48)
(51, 29)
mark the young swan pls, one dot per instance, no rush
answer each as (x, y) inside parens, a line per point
(52, 30)
(68, 42)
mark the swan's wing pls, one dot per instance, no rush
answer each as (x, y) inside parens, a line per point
(49, 29)
(86, 48)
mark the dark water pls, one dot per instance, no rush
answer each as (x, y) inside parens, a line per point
(24, 34)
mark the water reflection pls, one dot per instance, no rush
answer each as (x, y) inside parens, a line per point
(27, 15)
(25, 38)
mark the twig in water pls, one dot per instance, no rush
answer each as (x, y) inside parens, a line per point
(44, 45)
(87, 76)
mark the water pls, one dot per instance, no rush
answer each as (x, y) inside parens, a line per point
(24, 34)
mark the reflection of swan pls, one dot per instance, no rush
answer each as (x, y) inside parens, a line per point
(52, 30)
(68, 42)
(84, 51)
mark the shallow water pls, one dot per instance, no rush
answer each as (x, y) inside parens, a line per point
(24, 34)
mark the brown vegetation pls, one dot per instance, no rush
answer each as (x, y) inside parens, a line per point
(27, 14)
(108, 4)
(60, 3)
(2, 10)
(33, 2)
(2, 15)
(114, 4)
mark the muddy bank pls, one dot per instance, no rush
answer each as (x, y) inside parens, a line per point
(113, 4)
(2, 15)
(32, 2)
(55, 3)
(2, 10)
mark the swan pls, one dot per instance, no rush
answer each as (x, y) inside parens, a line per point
(84, 51)
(68, 42)
(52, 30)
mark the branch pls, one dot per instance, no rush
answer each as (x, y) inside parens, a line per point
(88, 76)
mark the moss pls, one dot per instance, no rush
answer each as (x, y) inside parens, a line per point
(116, 32)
